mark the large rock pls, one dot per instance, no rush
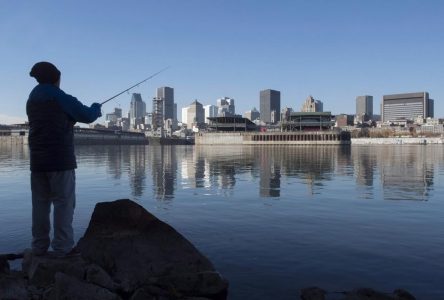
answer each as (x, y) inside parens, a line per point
(137, 249)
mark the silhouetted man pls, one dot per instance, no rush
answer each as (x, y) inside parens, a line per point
(52, 115)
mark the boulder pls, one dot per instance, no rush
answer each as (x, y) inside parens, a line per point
(70, 288)
(136, 249)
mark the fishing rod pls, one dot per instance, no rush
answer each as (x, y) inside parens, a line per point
(148, 78)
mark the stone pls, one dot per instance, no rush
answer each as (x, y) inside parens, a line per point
(42, 269)
(142, 294)
(366, 294)
(70, 288)
(49, 294)
(35, 292)
(313, 293)
(401, 294)
(13, 286)
(135, 248)
(96, 275)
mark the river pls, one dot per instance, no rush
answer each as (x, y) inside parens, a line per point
(272, 219)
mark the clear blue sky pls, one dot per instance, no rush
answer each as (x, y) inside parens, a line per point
(333, 50)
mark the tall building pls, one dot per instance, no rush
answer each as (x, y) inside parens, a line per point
(210, 112)
(167, 94)
(312, 105)
(185, 115)
(158, 113)
(402, 107)
(364, 109)
(252, 115)
(226, 107)
(270, 106)
(196, 114)
(137, 110)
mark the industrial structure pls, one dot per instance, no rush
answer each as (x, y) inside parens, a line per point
(308, 121)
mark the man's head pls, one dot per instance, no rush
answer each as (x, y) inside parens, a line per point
(45, 72)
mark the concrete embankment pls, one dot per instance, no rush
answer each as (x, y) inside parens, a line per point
(397, 141)
(88, 137)
(14, 140)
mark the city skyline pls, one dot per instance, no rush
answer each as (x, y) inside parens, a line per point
(333, 51)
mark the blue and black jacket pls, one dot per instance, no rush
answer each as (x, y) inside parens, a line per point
(52, 114)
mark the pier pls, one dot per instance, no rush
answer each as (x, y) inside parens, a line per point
(274, 138)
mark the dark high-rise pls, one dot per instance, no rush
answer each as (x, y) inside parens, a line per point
(167, 94)
(270, 106)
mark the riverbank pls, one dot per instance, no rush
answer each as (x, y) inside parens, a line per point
(106, 137)
(398, 141)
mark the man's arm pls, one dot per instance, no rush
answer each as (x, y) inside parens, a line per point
(76, 110)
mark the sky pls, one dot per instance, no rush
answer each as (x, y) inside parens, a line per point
(332, 50)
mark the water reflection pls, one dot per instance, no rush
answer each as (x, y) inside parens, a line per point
(400, 172)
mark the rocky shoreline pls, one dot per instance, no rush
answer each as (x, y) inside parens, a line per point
(126, 253)
(129, 254)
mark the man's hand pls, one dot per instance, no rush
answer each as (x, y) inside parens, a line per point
(98, 108)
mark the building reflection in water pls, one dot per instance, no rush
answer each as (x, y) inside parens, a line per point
(164, 170)
(406, 174)
(401, 172)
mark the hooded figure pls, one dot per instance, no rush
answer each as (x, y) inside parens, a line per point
(52, 114)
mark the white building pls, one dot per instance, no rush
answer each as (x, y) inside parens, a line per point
(226, 107)
(312, 105)
(185, 115)
(210, 112)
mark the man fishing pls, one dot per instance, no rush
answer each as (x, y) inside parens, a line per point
(52, 114)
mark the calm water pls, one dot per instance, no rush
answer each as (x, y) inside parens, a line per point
(272, 219)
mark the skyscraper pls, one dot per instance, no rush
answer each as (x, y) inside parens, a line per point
(312, 105)
(158, 113)
(137, 110)
(364, 108)
(270, 106)
(167, 95)
(400, 107)
(225, 107)
(210, 112)
(195, 114)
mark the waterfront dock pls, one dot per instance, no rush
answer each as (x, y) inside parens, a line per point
(329, 137)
